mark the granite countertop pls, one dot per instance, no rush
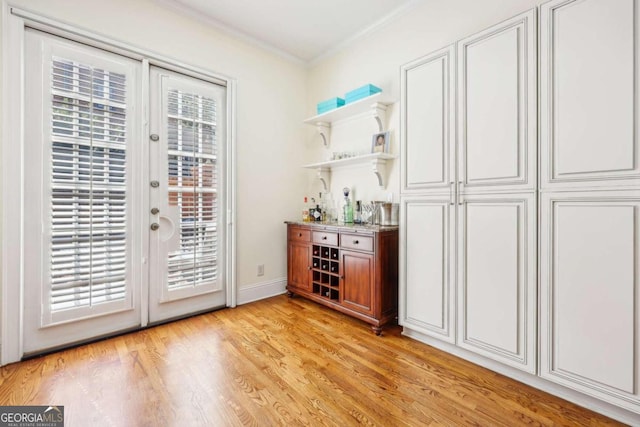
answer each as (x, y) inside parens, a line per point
(352, 228)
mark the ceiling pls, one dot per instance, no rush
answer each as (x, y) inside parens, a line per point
(302, 29)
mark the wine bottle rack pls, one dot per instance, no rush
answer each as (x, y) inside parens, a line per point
(326, 272)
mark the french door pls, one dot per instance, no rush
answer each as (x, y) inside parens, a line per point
(187, 117)
(97, 259)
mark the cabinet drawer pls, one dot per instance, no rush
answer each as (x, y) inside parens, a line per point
(323, 238)
(300, 234)
(353, 241)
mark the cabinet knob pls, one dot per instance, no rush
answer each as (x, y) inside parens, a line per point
(355, 242)
(324, 237)
(299, 234)
(309, 268)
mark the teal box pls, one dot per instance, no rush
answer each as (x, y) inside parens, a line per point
(329, 104)
(361, 92)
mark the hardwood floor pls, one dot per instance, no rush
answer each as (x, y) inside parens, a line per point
(276, 362)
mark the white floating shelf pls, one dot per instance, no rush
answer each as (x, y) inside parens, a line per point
(348, 110)
(351, 160)
(375, 104)
(378, 162)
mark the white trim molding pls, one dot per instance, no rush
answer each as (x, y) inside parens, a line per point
(262, 290)
(11, 158)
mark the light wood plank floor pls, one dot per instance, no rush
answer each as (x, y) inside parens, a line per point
(276, 362)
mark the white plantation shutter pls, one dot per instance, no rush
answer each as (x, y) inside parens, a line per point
(193, 181)
(88, 257)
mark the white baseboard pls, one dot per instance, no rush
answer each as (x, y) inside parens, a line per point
(262, 290)
(576, 397)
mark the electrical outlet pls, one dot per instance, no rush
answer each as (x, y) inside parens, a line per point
(260, 269)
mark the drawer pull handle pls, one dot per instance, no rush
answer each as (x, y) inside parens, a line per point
(324, 237)
(355, 242)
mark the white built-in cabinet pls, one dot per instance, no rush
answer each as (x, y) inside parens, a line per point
(589, 94)
(428, 125)
(589, 292)
(497, 103)
(590, 198)
(496, 135)
(472, 202)
(477, 221)
(496, 286)
(428, 265)
(428, 203)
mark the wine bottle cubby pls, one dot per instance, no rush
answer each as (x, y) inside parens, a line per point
(326, 272)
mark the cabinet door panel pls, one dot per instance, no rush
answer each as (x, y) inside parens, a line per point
(588, 92)
(589, 268)
(428, 260)
(427, 119)
(299, 265)
(497, 280)
(497, 106)
(357, 281)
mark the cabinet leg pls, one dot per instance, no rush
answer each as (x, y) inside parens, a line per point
(377, 330)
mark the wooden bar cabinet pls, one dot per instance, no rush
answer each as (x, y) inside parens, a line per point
(349, 268)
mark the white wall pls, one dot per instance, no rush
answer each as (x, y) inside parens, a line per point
(376, 58)
(271, 92)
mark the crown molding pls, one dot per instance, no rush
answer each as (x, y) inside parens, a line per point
(393, 15)
(185, 10)
(190, 12)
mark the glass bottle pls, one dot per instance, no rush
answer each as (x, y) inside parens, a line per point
(348, 207)
(305, 211)
(323, 207)
(312, 210)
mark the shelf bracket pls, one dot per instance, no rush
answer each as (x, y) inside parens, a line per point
(324, 175)
(324, 130)
(379, 113)
(379, 167)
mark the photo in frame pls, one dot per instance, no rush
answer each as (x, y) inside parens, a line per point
(380, 142)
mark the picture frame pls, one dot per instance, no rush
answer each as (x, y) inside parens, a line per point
(380, 142)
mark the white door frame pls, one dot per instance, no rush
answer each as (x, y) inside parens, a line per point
(14, 23)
